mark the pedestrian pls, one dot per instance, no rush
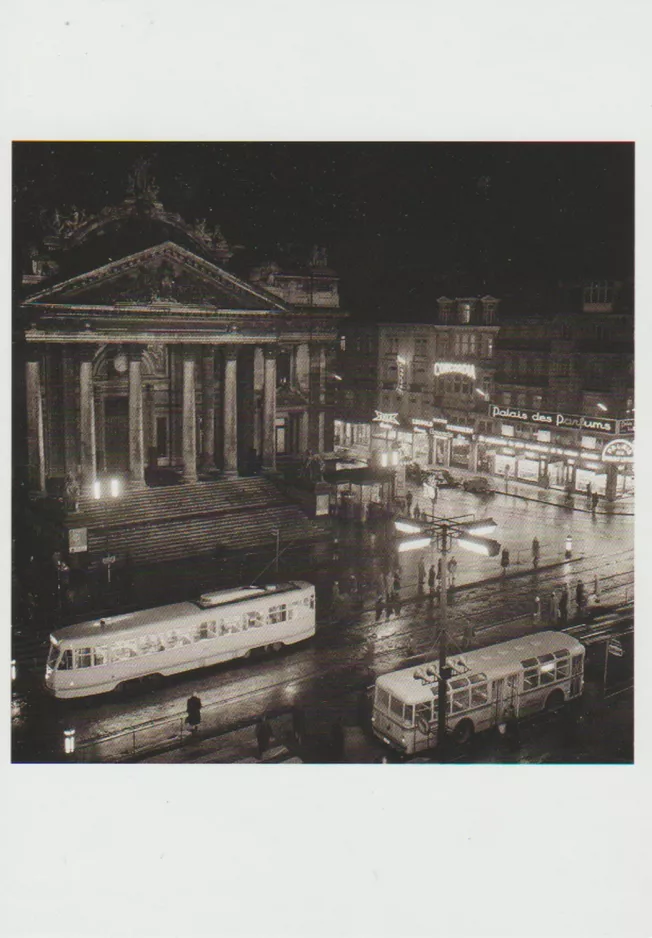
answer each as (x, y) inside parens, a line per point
(408, 502)
(353, 585)
(263, 735)
(537, 608)
(596, 585)
(380, 605)
(554, 607)
(439, 569)
(452, 570)
(504, 561)
(563, 606)
(580, 597)
(421, 576)
(594, 501)
(568, 551)
(536, 549)
(431, 581)
(193, 709)
(337, 740)
(396, 603)
(298, 723)
(417, 513)
(397, 582)
(388, 606)
(589, 492)
(336, 592)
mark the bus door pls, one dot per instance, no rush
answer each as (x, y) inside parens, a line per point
(505, 693)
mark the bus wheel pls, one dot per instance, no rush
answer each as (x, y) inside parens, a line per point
(555, 700)
(463, 731)
(276, 646)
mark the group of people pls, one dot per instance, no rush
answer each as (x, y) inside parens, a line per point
(560, 601)
(389, 595)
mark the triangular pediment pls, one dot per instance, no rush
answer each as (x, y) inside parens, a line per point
(166, 276)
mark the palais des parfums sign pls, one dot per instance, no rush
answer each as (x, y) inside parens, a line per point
(547, 419)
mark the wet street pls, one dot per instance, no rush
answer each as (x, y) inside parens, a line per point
(328, 675)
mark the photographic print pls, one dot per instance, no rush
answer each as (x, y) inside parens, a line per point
(323, 453)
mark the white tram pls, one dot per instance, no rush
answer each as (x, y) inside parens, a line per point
(96, 657)
(489, 686)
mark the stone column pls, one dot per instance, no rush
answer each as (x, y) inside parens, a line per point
(136, 435)
(87, 422)
(208, 408)
(69, 379)
(473, 456)
(269, 409)
(189, 417)
(317, 397)
(230, 410)
(35, 446)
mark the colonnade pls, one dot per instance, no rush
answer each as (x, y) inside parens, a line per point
(195, 360)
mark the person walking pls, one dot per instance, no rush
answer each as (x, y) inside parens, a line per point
(504, 561)
(380, 605)
(396, 585)
(452, 570)
(537, 608)
(594, 501)
(193, 709)
(396, 603)
(554, 607)
(417, 513)
(421, 577)
(580, 597)
(388, 606)
(263, 735)
(431, 581)
(408, 502)
(536, 550)
(589, 492)
(563, 606)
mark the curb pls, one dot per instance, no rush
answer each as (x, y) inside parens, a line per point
(586, 511)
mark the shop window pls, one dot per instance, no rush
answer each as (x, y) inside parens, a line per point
(544, 436)
(589, 442)
(506, 429)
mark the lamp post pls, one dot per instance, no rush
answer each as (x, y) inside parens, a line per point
(441, 532)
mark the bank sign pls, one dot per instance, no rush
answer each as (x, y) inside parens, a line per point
(551, 420)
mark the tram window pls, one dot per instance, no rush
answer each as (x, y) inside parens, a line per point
(83, 657)
(277, 614)
(563, 668)
(122, 652)
(396, 706)
(254, 620)
(479, 695)
(184, 638)
(460, 701)
(202, 631)
(424, 710)
(99, 656)
(408, 715)
(66, 661)
(382, 698)
(172, 639)
(531, 679)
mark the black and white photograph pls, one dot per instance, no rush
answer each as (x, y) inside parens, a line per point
(326, 501)
(311, 466)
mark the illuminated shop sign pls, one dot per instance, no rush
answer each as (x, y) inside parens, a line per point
(626, 425)
(391, 419)
(454, 368)
(401, 378)
(618, 451)
(550, 419)
(457, 428)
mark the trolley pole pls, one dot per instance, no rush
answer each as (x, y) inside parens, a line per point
(444, 670)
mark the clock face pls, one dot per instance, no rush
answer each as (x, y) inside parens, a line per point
(120, 363)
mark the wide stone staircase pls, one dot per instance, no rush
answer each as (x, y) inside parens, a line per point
(169, 522)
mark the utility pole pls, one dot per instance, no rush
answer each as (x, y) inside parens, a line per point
(278, 546)
(444, 670)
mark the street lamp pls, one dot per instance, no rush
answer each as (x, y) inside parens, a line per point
(442, 532)
(602, 406)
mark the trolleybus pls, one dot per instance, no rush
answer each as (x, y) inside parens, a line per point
(488, 687)
(101, 655)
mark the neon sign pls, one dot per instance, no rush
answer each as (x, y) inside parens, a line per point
(618, 451)
(391, 419)
(454, 368)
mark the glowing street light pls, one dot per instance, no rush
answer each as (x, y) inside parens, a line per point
(406, 528)
(602, 406)
(97, 489)
(114, 487)
(69, 742)
(13, 669)
(414, 543)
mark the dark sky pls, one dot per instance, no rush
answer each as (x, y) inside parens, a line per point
(403, 223)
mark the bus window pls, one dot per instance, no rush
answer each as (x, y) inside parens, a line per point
(382, 698)
(460, 700)
(66, 661)
(424, 710)
(396, 706)
(99, 656)
(563, 668)
(531, 679)
(479, 695)
(547, 669)
(408, 714)
(83, 657)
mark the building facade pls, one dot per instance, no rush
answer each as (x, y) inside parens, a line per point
(159, 358)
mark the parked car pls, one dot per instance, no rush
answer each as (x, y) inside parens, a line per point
(444, 479)
(477, 484)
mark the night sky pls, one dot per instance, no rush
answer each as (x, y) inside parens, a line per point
(403, 223)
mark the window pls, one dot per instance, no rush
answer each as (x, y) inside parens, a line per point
(420, 347)
(408, 715)
(396, 706)
(66, 661)
(543, 436)
(506, 429)
(460, 700)
(254, 620)
(531, 679)
(547, 669)
(83, 657)
(424, 711)
(277, 614)
(507, 398)
(121, 651)
(100, 656)
(589, 442)
(479, 695)
(382, 698)
(563, 668)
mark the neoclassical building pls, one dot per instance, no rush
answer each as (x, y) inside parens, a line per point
(159, 358)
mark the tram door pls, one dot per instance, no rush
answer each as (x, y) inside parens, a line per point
(506, 697)
(116, 433)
